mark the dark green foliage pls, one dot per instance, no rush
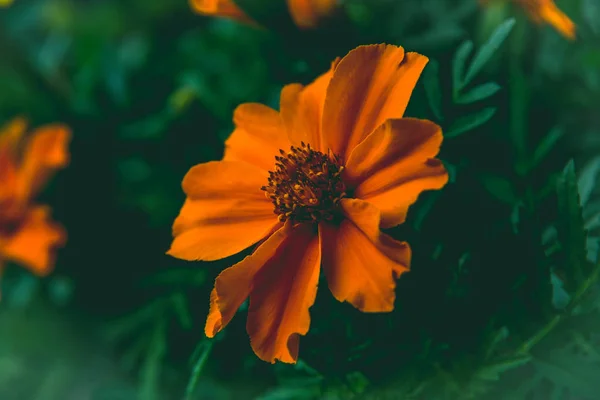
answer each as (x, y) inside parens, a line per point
(502, 300)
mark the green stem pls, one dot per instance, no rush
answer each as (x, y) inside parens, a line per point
(526, 347)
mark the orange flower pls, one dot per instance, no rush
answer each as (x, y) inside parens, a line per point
(27, 235)
(313, 184)
(545, 11)
(305, 13)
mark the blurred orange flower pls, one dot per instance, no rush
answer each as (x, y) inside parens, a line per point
(305, 13)
(546, 11)
(351, 165)
(27, 234)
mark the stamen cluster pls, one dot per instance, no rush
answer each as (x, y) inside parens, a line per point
(306, 185)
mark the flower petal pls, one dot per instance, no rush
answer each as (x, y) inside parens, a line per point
(224, 213)
(370, 85)
(46, 151)
(258, 136)
(220, 8)
(553, 16)
(394, 164)
(8, 177)
(301, 109)
(34, 241)
(233, 285)
(307, 13)
(360, 262)
(283, 291)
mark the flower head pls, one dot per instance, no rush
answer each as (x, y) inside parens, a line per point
(27, 235)
(305, 13)
(546, 11)
(313, 184)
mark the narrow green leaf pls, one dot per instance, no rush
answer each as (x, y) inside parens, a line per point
(545, 146)
(588, 179)
(452, 171)
(592, 221)
(593, 247)
(458, 66)
(181, 310)
(497, 338)
(479, 93)
(570, 227)
(132, 355)
(493, 371)
(560, 297)
(515, 216)
(470, 122)
(152, 367)
(486, 52)
(501, 188)
(431, 82)
(426, 205)
(204, 349)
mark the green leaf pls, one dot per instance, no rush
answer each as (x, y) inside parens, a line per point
(501, 188)
(426, 206)
(546, 145)
(560, 297)
(479, 93)
(181, 310)
(486, 52)
(570, 226)
(202, 351)
(515, 216)
(452, 171)
(493, 371)
(592, 221)
(431, 82)
(132, 355)
(588, 179)
(152, 367)
(569, 371)
(458, 66)
(497, 338)
(593, 247)
(470, 122)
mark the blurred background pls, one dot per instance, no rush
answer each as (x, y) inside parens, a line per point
(148, 89)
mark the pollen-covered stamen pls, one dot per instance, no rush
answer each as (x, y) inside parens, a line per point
(306, 185)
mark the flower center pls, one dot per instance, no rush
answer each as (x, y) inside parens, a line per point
(306, 185)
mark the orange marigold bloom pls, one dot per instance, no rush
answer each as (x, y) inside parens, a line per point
(546, 11)
(305, 13)
(27, 235)
(313, 184)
